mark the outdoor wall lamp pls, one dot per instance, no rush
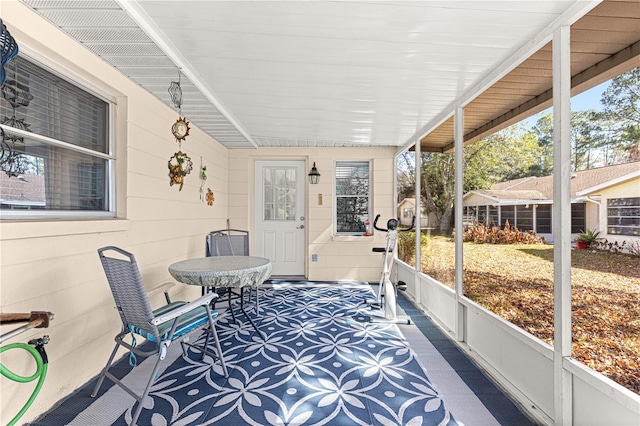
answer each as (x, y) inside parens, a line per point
(314, 176)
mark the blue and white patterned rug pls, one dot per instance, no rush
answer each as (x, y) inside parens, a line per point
(322, 363)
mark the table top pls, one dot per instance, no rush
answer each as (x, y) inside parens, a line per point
(222, 271)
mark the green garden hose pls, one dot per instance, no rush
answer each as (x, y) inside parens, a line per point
(41, 371)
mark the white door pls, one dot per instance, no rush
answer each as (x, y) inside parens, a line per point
(280, 215)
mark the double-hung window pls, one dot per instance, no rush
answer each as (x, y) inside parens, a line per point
(353, 197)
(56, 152)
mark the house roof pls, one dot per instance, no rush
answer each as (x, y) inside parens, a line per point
(22, 190)
(409, 200)
(511, 195)
(621, 179)
(580, 181)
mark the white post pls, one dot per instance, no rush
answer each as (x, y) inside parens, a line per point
(458, 136)
(418, 189)
(562, 222)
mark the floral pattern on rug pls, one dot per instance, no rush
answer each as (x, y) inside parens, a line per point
(322, 363)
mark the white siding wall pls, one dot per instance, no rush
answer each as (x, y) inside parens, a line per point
(339, 257)
(52, 265)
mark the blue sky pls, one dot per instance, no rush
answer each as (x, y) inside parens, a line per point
(589, 99)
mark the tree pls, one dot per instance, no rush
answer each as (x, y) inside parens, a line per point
(588, 138)
(438, 187)
(508, 154)
(621, 109)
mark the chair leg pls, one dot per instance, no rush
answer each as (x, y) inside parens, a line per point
(104, 371)
(219, 350)
(136, 414)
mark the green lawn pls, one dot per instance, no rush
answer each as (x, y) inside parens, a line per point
(516, 282)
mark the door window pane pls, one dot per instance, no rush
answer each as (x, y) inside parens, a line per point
(279, 193)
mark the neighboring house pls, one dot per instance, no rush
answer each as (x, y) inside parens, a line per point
(22, 192)
(407, 210)
(605, 199)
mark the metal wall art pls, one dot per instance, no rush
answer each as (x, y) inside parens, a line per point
(12, 161)
(8, 50)
(180, 164)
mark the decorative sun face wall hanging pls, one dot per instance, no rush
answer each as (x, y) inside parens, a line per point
(180, 129)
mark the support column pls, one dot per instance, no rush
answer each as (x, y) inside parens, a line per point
(562, 223)
(418, 189)
(458, 136)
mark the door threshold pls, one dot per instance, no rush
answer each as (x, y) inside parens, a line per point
(287, 278)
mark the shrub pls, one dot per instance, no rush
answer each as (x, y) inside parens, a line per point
(481, 234)
(407, 246)
(591, 237)
(632, 248)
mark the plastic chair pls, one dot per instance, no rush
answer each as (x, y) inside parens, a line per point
(172, 322)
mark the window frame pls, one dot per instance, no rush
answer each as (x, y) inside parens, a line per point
(369, 195)
(110, 168)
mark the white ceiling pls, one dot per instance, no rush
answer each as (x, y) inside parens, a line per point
(307, 73)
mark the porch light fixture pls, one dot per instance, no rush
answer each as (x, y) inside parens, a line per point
(314, 176)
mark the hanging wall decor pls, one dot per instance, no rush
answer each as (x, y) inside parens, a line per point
(203, 179)
(12, 161)
(180, 165)
(210, 198)
(180, 128)
(8, 50)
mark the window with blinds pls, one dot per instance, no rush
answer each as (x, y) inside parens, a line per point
(353, 197)
(55, 151)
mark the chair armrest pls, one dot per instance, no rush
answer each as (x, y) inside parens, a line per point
(187, 307)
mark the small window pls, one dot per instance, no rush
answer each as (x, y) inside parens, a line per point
(543, 219)
(623, 216)
(578, 221)
(56, 156)
(353, 197)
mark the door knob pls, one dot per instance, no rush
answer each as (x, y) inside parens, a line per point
(300, 227)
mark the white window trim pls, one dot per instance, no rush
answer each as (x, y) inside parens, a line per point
(85, 85)
(335, 197)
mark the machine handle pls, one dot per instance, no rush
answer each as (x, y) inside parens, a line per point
(413, 222)
(392, 224)
(375, 226)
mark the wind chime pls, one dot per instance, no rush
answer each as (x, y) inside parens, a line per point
(11, 161)
(180, 163)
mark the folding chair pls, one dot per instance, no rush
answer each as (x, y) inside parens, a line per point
(228, 242)
(171, 322)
